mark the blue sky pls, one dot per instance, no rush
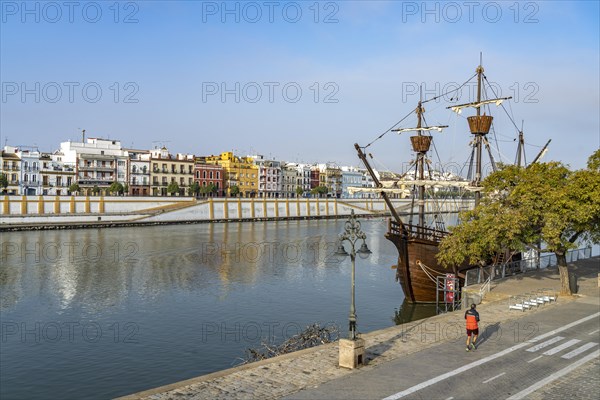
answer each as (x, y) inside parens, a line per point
(162, 65)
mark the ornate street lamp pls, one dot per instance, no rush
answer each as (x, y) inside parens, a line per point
(353, 233)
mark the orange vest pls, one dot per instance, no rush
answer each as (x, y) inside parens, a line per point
(471, 321)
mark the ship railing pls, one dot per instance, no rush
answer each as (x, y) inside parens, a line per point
(416, 231)
(480, 275)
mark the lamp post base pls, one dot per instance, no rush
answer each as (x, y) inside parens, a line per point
(352, 353)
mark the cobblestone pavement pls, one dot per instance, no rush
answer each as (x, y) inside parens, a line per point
(285, 375)
(583, 384)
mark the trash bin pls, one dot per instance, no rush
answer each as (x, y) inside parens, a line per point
(572, 282)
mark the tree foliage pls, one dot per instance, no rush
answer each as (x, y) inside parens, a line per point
(319, 190)
(194, 189)
(3, 182)
(234, 190)
(116, 187)
(208, 189)
(173, 188)
(299, 191)
(74, 188)
(543, 203)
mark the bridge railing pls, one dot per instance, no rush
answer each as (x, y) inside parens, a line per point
(493, 272)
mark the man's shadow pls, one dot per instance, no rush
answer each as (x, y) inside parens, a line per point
(487, 333)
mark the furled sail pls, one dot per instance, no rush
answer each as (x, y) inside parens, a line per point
(458, 108)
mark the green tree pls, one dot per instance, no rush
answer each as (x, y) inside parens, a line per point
(299, 191)
(95, 190)
(234, 190)
(116, 187)
(543, 203)
(194, 189)
(319, 191)
(74, 188)
(173, 188)
(209, 189)
(3, 182)
(125, 188)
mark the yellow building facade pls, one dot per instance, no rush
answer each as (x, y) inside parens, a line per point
(239, 171)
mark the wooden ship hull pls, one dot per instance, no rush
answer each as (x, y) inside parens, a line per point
(417, 267)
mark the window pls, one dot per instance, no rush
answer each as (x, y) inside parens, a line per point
(134, 169)
(197, 174)
(25, 178)
(203, 174)
(218, 175)
(211, 174)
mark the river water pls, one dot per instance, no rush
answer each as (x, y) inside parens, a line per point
(99, 313)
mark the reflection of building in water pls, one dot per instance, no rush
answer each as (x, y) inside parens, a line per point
(98, 269)
(11, 278)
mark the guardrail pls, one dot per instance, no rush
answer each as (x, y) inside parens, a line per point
(493, 272)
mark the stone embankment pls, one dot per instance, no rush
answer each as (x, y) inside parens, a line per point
(69, 212)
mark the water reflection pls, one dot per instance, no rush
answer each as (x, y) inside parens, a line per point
(412, 312)
(171, 282)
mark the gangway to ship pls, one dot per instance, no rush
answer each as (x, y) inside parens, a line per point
(447, 297)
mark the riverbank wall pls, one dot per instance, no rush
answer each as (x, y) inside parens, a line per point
(64, 212)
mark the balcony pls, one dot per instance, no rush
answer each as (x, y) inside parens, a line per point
(96, 168)
(31, 184)
(91, 182)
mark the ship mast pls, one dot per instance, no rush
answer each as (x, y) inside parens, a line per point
(478, 135)
(421, 146)
(479, 125)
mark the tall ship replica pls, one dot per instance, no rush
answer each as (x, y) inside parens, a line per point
(417, 244)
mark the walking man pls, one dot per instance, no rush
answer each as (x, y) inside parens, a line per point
(472, 317)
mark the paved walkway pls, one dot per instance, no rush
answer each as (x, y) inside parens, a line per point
(308, 369)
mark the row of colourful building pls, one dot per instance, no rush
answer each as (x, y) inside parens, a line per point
(95, 164)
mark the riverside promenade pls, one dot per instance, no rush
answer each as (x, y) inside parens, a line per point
(427, 358)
